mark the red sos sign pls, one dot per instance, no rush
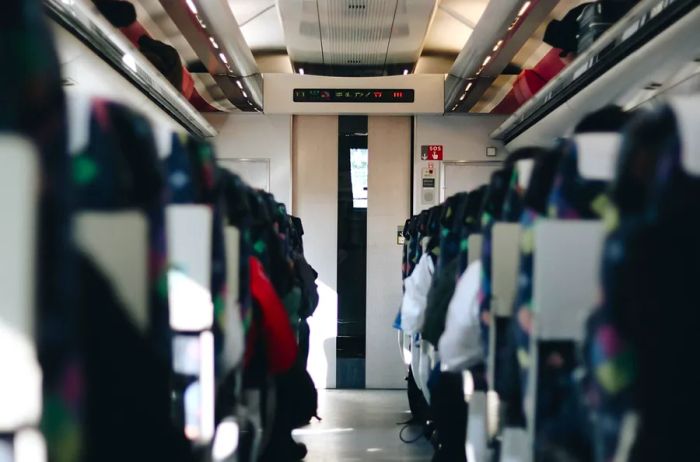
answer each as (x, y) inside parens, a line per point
(434, 152)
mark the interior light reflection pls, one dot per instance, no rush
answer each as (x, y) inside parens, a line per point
(206, 378)
(191, 307)
(130, 62)
(226, 440)
(191, 6)
(320, 431)
(526, 5)
(20, 387)
(29, 446)
(467, 384)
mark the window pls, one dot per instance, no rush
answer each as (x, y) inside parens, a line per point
(358, 176)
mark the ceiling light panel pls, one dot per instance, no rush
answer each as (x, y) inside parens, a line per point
(356, 32)
(411, 25)
(452, 25)
(302, 34)
(370, 33)
(260, 24)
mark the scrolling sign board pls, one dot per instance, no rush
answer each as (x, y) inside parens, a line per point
(353, 95)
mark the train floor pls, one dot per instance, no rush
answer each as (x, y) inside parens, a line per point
(361, 425)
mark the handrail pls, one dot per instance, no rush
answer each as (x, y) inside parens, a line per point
(83, 21)
(212, 31)
(503, 29)
(639, 27)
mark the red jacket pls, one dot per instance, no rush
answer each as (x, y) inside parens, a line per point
(280, 340)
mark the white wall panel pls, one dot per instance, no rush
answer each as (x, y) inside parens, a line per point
(389, 142)
(315, 171)
(257, 136)
(464, 138)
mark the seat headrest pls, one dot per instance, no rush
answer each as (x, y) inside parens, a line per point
(164, 139)
(524, 167)
(597, 154)
(79, 108)
(687, 111)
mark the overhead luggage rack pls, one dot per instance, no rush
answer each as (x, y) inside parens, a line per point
(83, 22)
(503, 30)
(643, 25)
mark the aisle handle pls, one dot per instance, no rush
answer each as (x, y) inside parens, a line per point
(189, 232)
(20, 387)
(504, 274)
(525, 167)
(477, 430)
(234, 335)
(117, 242)
(504, 270)
(687, 111)
(565, 289)
(474, 244)
(566, 276)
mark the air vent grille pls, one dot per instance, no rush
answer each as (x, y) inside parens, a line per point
(355, 31)
(370, 37)
(357, 6)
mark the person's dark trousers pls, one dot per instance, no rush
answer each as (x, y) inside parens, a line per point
(420, 409)
(450, 412)
(304, 339)
(296, 404)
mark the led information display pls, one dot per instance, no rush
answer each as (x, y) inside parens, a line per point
(353, 95)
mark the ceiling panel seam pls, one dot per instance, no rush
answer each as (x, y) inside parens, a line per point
(391, 34)
(257, 15)
(459, 17)
(320, 32)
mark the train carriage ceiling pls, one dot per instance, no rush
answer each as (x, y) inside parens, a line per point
(357, 37)
(341, 37)
(157, 22)
(377, 37)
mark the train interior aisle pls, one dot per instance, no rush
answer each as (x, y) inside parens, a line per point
(349, 230)
(363, 425)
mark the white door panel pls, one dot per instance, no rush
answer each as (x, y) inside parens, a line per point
(465, 176)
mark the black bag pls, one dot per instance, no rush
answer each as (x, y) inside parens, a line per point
(297, 397)
(306, 276)
(597, 17)
(164, 57)
(593, 22)
(119, 13)
(563, 33)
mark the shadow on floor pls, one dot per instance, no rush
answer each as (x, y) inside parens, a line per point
(361, 425)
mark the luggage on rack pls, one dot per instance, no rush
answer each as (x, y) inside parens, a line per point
(596, 18)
